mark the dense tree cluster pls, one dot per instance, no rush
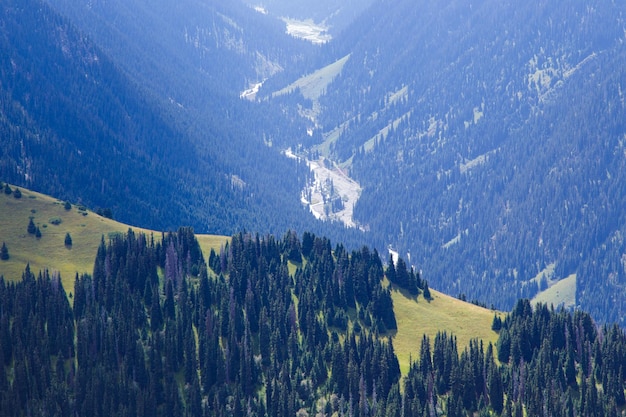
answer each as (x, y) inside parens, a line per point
(546, 363)
(154, 331)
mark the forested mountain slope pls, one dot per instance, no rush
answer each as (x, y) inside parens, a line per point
(489, 140)
(156, 331)
(73, 125)
(139, 112)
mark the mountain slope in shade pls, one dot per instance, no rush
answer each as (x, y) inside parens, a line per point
(489, 142)
(75, 126)
(160, 137)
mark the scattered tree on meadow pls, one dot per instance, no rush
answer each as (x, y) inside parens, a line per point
(427, 295)
(68, 240)
(31, 229)
(4, 252)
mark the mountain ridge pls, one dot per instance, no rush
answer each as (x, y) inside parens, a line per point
(165, 333)
(493, 134)
(416, 316)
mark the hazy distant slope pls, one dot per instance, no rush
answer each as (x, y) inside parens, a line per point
(335, 15)
(76, 127)
(93, 120)
(488, 138)
(195, 58)
(193, 52)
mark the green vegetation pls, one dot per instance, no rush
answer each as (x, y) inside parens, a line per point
(4, 252)
(560, 293)
(42, 248)
(68, 240)
(314, 85)
(417, 317)
(158, 329)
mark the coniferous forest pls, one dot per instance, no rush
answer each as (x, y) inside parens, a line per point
(278, 327)
(487, 139)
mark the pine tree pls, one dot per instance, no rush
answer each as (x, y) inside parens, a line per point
(391, 270)
(427, 294)
(496, 324)
(68, 240)
(496, 391)
(4, 252)
(31, 229)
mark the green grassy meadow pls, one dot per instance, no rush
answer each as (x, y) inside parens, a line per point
(417, 317)
(49, 252)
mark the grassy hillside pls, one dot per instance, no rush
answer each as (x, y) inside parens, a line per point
(49, 252)
(417, 317)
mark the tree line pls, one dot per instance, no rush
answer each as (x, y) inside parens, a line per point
(277, 326)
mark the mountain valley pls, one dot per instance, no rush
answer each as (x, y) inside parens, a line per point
(283, 208)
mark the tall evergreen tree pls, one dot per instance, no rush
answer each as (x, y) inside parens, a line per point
(4, 252)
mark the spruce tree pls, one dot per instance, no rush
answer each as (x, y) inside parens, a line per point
(31, 229)
(496, 392)
(427, 294)
(4, 252)
(68, 240)
(496, 324)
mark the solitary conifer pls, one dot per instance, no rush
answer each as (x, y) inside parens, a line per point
(4, 252)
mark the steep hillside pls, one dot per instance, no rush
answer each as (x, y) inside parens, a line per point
(73, 125)
(488, 139)
(147, 120)
(55, 219)
(155, 331)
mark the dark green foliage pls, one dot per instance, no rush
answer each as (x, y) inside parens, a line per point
(404, 278)
(163, 351)
(7, 189)
(68, 240)
(17, 193)
(427, 294)
(237, 343)
(67, 206)
(31, 228)
(37, 232)
(496, 325)
(4, 252)
(105, 212)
